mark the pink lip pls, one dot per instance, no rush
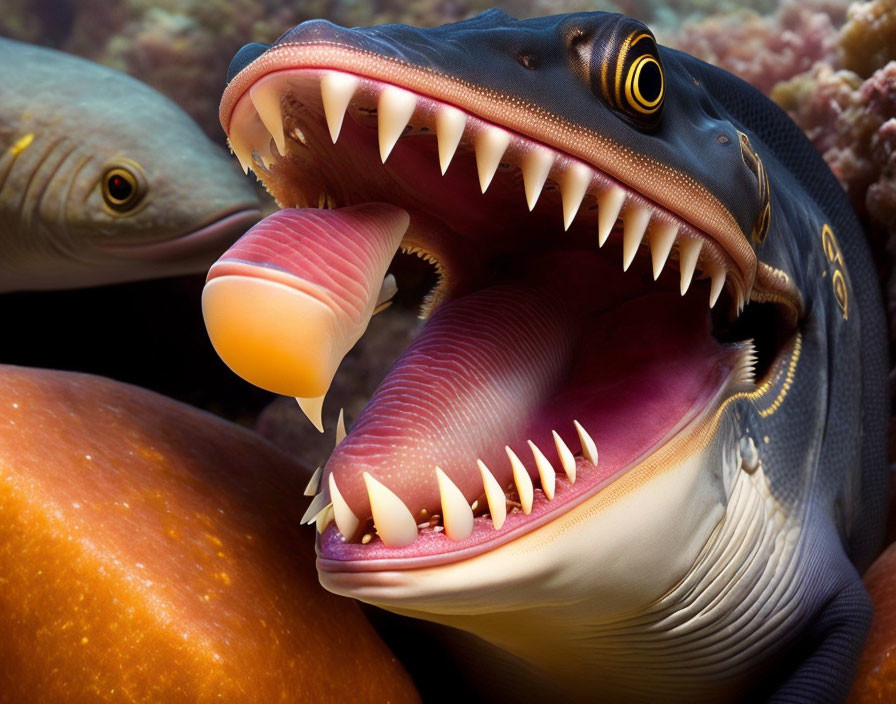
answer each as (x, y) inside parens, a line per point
(213, 237)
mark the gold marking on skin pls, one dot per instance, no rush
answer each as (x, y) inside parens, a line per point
(788, 379)
(839, 283)
(754, 164)
(838, 278)
(603, 77)
(620, 60)
(21, 145)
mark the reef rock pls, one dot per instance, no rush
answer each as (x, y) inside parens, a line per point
(151, 552)
(868, 39)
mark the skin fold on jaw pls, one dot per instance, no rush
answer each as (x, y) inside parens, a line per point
(571, 460)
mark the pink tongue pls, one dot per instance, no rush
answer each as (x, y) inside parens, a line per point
(470, 384)
(512, 363)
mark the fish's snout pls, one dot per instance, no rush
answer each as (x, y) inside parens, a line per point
(244, 57)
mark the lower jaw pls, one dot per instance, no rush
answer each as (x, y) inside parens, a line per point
(636, 396)
(206, 241)
(351, 568)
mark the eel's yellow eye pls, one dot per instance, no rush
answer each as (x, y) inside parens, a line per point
(626, 65)
(644, 85)
(121, 188)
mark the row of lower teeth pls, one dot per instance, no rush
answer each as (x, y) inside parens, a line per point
(396, 108)
(395, 524)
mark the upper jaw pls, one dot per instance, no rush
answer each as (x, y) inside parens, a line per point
(305, 108)
(658, 184)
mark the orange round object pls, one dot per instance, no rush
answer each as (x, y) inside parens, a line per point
(876, 675)
(151, 552)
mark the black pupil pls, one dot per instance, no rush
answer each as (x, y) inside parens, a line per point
(650, 82)
(119, 187)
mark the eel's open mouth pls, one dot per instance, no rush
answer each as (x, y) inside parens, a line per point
(545, 369)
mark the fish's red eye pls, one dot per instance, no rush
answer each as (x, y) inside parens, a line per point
(120, 189)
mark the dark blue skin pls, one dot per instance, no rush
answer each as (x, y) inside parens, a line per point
(827, 455)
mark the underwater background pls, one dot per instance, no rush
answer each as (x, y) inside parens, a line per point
(831, 64)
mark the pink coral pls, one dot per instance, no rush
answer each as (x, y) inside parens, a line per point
(881, 198)
(850, 121)
(853, 124)
(763, 50)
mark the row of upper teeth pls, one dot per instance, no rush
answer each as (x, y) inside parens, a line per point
(396, 525)
(395, 109)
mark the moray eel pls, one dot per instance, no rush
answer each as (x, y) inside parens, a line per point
(103, 179)
(637, 450)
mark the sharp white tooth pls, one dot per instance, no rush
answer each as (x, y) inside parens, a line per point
(573, 183)
(265, 153)
(567, 460)
(242, 152)
(387, 292)
(340, 427)
(314, 482)
(662, 237)
(536, 166)
(450, 124)
(634, 227)
(589, 449)
(491, 143)
(346, 521)
(266, 100)
(688, 253)
(609, 203)
(494, 494)
(324, 517)
(393, 521)
(394, 111)
(522, 480)
(313, 409)
(718, 283)
(545, 471)
(456, 512)
(336, 91)
(318, 504)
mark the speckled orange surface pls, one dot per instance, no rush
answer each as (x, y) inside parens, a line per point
(150, 552)
(876, 677)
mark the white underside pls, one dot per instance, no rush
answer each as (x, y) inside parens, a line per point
(673, 581)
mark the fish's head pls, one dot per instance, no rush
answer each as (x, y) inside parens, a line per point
(118, 183)
(606, 408)
(156, 190)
